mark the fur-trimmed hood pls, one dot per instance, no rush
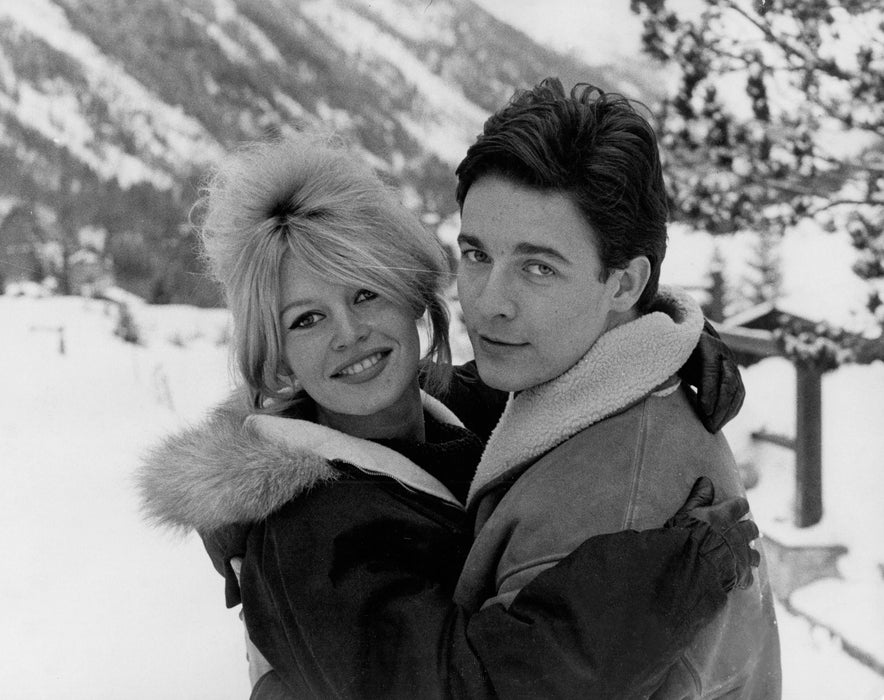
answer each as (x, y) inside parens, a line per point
(237, 466)
(626, 364)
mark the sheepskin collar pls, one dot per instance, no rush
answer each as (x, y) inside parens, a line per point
(625, 365)
(238, 466)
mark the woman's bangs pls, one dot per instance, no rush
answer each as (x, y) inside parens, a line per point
(355, 263)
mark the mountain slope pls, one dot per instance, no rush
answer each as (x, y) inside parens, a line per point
(111, 111)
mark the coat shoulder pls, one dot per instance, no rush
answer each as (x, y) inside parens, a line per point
(630, 471)
(221, 472)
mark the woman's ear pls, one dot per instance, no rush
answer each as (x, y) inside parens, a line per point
(631, 282)
(285, 375)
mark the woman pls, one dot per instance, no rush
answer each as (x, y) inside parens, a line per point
(335, 464)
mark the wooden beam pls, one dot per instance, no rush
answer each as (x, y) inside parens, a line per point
(751, 341)
(774, 439)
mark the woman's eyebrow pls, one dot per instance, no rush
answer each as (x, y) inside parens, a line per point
(298, 302)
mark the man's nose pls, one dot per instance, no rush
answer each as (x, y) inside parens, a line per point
(495, 298)
(351, 328)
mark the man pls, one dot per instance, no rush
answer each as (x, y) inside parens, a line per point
(562, 238)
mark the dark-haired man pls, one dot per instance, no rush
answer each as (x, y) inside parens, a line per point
(562, 238)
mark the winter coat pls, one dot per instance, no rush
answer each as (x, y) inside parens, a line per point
(350, 557)
(612, 444)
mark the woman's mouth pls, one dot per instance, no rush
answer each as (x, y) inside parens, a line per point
(362, 365)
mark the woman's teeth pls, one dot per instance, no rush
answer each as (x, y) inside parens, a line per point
(362, 365)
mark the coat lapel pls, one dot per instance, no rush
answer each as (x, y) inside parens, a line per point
(626, 364)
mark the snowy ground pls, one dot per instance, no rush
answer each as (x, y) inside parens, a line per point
(97, 605)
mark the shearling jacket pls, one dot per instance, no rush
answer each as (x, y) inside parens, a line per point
(351, 553)
(612, 444)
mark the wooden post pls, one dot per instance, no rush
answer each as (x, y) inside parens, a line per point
(808, 447)
(808, 443)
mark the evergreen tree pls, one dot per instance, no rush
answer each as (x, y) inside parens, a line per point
(766, 280)
(716, 308)
(777, 117)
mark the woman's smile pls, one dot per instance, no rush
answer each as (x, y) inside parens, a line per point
(364, 369)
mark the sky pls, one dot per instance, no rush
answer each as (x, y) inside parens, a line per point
(593, 29)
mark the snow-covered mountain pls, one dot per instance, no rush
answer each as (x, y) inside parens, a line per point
(110, 111)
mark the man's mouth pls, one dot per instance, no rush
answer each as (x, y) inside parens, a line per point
(500, 342)
(362, 365)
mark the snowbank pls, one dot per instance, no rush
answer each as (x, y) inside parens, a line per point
(98, 605)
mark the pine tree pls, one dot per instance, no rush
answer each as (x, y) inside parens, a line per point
(766, 279)
(716, 308)
(777, 118)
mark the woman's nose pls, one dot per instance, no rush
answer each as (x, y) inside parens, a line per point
(351, 329)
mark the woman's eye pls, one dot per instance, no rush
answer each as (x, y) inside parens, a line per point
(473, 255)
(539, 269)
(365, 295)
(306, 320)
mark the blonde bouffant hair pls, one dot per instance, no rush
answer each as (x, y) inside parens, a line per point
(307, 196)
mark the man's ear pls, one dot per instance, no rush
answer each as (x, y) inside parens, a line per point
(631, 282)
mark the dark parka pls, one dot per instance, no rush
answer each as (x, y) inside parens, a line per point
(352, 551)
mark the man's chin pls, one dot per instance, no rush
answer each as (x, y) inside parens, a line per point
(499, 377)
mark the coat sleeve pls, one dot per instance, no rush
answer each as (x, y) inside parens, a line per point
(221, 545)
(348, 594)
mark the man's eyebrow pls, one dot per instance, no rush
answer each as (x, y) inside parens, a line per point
(535, 249)
(523, 248)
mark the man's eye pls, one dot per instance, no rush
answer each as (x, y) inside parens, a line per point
(473, 255)
(539, 269)
(365, 295)
(306, 320)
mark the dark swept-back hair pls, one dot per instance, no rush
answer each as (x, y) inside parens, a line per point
(591, 146)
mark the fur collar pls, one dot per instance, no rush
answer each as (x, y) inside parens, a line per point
(238, 466)
(626, 364)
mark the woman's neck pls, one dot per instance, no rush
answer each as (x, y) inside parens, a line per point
(403, 420)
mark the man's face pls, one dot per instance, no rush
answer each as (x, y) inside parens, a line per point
(529, 283)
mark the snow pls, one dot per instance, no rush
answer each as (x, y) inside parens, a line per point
(825, 602)
(133, 107)
(817, 280)
(433, 23)
(853, 406)
(226, 13)
(230, 47)
(440, 117)
(99, 605)
(597, 31)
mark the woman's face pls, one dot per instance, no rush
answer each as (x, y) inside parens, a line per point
(353, 352)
